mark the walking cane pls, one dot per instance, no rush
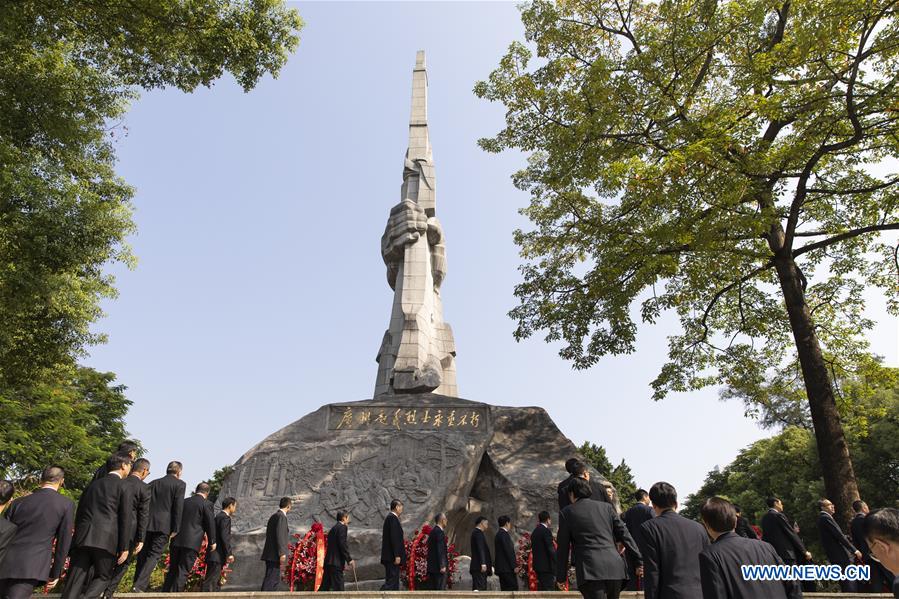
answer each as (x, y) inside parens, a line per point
(356, 580)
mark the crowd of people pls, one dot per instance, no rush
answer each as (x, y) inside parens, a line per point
(121, 519)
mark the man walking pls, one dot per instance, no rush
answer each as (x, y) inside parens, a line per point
(393, 550)
(481, 563)
(216, 560)
(337, 555)
(274, 552)
(136, 495)
(166, 503)
(43, 520)
(837, 548)
(438, 560)
(634, 518)
(543, 553)
(196, 520)
(7, 528)
(504, 565)
(778, 531)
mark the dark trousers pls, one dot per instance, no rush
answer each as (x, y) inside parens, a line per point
(546, 581)
(600, 589)
(213, 578)
(333, 579)
(478, 581)
(632, 580)
(391, 578)
(437, 580)
(154, 547)
(89, 573)
(18, 588)
(507, 581)
(181, 563)
(272, 576)
(849, 586)
(118, 572)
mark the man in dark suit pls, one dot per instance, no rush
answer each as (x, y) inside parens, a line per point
(778, 531)
(543, 553)
(41, 518)
(216, 560)
(7, 528)
(136, 495)
(671, 548)
(196, 520)
(504, 564)
(882, 533)
(744, 529)
(481, 563)
(438, 559)
(128, 449)
(594, 529)
(634, 518)
(393, 550)
(166, 503)
(837, 548)
(571, 465)
(337, 555)
(274, 552)
(719, 563)
(102, 526)
(879, 575)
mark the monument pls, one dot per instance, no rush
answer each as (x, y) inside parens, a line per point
(416, 440)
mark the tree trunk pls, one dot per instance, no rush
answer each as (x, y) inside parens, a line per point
(833, 452)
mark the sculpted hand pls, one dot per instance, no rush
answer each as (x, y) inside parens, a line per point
(122, 557)
(138, 548)
(407, 222)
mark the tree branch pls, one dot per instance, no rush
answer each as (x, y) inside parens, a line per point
(844, 236)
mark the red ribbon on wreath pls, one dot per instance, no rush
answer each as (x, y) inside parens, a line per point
(319, 532)
(410, 562)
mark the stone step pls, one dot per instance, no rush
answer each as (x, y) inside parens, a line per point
(410, 595)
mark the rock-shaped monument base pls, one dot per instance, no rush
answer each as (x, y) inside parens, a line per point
(435, 453)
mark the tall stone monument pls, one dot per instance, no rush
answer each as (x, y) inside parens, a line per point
(416, 440)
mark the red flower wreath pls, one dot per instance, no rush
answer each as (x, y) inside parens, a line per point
(415, 574)
(306, 559)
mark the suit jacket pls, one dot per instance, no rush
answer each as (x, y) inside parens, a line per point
(103, 517)
(100, 472)
(562, 490)
(392, 546)
(166, 503)
(634, 519)
(505, 552)
(671, 549)
(744, 529)
(719, 568)
(778, 531)
(276, 537)
(480, 553)
(222, 540)
(437, 553)
(836, 546)
(7, 532)
(544, 560)
(593, 527)
(40, 518)
(857, 531)
(338, 552)
(137, 497)
(196, 520)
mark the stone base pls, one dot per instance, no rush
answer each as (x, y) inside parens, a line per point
(433, 452)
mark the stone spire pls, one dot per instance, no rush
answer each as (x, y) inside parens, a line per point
(417, 353)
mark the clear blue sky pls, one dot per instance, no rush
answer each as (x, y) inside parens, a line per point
(260, 293)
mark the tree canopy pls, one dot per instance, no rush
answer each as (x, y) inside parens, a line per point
(725, 161)
(620, 476)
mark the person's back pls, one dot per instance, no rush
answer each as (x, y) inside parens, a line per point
(166, 504)
(103, 518)
(196, 520)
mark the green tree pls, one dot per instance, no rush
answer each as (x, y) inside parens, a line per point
(67, 72)
(218, 478)
(74, 422)
(620, 476)
(722, 160)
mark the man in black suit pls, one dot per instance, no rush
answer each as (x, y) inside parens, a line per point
(393, 550)
(128, 449)
(196, 520)
(594, 529)
(879, 575)
(274, 552)
(671, 548)
(102, 526)
(481, 563)
(719, 563)
(40, 518)
(778, 531)
(837, 548)
(7, 528)
(744, 529)
(634, 518)
(137, 497)
(882, 533)
(216, 560)
(438, 559)
(543, 553)
(571, 465)
(166, 503)
(337, 555)
(504, 565)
